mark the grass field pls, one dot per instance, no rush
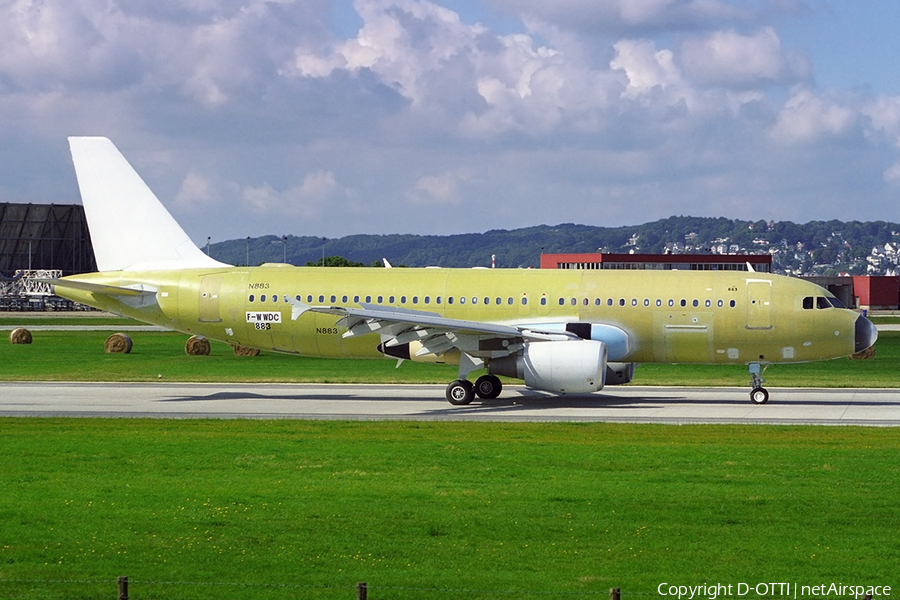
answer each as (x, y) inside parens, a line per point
(249, 510)
(252, 510)
(79, 356)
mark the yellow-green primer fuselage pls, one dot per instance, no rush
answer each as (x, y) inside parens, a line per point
(668, 316)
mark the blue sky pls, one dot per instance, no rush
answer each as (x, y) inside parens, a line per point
(336, 117)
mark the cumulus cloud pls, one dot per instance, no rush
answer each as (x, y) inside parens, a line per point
(731, 59)
(305, 200)
(607, 111)
(195, 191)
(806, 117)
(630, 17)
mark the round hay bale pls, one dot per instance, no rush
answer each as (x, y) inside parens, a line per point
(866, 354)
(118, 343)
(245, 351)
(197, 345)
(19, 335)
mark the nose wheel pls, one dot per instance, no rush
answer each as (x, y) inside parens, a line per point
(759, 394)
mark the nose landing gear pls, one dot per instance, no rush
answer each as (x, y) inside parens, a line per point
(759, 394)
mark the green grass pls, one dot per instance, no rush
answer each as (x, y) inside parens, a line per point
(574, 509)
(79, 356)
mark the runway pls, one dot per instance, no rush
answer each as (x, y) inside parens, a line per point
(636, 404)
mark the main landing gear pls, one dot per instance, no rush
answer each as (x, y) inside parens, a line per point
(462, 392)
(759, 394)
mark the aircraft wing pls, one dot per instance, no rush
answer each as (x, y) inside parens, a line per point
(435, 334)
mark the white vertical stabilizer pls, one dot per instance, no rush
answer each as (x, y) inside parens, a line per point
(130, 228)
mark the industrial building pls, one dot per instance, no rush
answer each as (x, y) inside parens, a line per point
(862, 292)
(40, 241)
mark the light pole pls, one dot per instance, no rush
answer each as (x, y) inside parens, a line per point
(323, 250)
(284, 248)
(208, 239)
(248, 250)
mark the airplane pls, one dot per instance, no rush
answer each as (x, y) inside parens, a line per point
(559, 331)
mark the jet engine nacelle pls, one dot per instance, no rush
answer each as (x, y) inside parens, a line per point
(567, 367)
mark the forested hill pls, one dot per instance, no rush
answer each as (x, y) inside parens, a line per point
(826, 242)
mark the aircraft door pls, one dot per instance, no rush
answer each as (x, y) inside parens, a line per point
(210, 287)
(759, 301)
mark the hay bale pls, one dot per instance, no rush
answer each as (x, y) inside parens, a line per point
(197, 345)
(19, 335)
(866, 354)
(118, 343)
(244, 350)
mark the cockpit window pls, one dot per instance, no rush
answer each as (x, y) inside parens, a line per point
(808, 303)
(811, 302)
(835, 302)
(822, 302)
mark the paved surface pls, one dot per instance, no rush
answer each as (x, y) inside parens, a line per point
(426, 402)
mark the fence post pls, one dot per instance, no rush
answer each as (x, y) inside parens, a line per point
(123, 588)
(615, 594)
(361, 590)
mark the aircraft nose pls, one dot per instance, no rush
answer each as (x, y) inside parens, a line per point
(866, 334)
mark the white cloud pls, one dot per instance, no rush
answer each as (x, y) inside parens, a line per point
(307, 200)
(645, 66)
(729, 58)
(806, 117)
(195, 192)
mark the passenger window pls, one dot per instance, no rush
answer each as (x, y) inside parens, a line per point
(499, 301)
(380, 299)
(731, 304)
(368, 299)
(683, 303)
(562, 301)
(251, 297)
(646, 301)
(474, 300)
(584, 302)
(402, 299)
(437, 300)
(427, 300)
(333, 299)
(262, 298)
(720, 304)
(597, 301)
(544, 301)
(524, 300)
(708, 303)
(634, 301)
(299, 298)
(696, 303)
(574, 301)
(659, 302)
(621, 301)
(510, 300)
(344, 299)
(309, 299)
(487, 301)
(609, 302)
(391, 300)
(356, 299)
(415, 299)
(450, 300)
(671, 302)
(462, 299)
